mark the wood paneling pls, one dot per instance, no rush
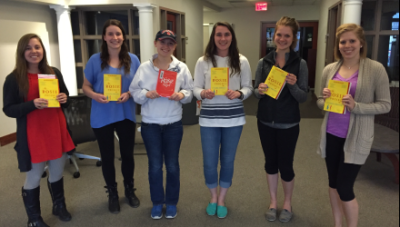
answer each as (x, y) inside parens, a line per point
(8, 139)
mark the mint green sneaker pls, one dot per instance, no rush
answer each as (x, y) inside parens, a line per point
(222, 212)
(211, 209)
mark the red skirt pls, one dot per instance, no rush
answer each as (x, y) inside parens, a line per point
(48, 137)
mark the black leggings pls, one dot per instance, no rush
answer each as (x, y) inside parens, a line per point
(105, 137)
(279, 146)
(342, 176)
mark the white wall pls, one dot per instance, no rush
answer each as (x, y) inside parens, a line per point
(321, 50)
(17, 19)
(247, 24)
(194, 31)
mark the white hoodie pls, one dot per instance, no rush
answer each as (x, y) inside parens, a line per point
(161, 110)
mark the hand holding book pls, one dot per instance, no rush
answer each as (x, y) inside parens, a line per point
(291, 79)
(100, 98)
(349, 102)
(262, 89)
(207, 94)
(326, 93)
(123, 98)
(177, 96)
(152, 95)
(62, 98)
(40, 103)
(233, 94)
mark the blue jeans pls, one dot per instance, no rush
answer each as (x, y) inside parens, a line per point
(163, 142)
(212, 139)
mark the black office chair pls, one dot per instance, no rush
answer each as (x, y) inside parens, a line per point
(78, 119)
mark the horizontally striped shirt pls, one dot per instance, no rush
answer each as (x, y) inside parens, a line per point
(220, 111)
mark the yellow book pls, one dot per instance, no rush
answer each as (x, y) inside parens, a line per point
(219, 80)
(112, 86)
(275, 81)
(339, 89)
(48, 89)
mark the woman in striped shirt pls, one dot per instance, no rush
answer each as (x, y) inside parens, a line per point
(222, 116)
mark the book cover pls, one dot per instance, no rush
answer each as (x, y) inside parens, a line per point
(219, 80)
(339, 89)
(112, 86)
(166, 83)
(48, 89)
(275, 81)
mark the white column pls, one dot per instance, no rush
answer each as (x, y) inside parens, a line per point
(146, 30)
(66, 46)
(352, 11)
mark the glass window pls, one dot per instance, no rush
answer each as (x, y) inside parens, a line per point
(270, 39)
(368, 15)
(388, 55)
(96, 19)
(93, 47)
(135, 23)
(79, 76)
(136, 48)
(75, 23)
(370, 45)
(390, 15)
(128, 44)
(78, 50)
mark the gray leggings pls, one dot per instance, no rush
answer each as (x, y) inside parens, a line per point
(56, 169)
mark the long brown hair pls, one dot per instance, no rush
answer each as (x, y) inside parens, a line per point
(359, 31)
(21, 65)
(211, 50)
(293, 24)
(124, 58)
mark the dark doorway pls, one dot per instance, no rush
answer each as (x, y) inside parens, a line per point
(171, 24)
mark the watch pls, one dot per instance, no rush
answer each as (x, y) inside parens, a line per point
(241, 95)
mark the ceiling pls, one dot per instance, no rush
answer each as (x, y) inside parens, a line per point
(225, 4)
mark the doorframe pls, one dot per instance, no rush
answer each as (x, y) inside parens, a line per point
(181, 36)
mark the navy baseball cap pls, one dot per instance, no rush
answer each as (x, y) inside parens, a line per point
(165, 34)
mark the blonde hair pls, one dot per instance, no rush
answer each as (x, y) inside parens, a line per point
(359, 31)
(293, 24)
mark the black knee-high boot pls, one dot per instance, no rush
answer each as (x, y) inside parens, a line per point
(32, 205)
(57, 195)
(130, 194)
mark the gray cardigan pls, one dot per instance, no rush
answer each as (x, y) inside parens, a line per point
(372, 98)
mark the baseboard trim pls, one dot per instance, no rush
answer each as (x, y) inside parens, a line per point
(8, 139)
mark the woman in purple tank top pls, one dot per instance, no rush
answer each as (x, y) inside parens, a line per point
(346, 139)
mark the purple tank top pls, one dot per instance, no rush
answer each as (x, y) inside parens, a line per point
(338, 124)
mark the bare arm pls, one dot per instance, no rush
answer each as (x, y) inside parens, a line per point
(88, 91)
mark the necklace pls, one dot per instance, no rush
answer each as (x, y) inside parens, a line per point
(349, 67)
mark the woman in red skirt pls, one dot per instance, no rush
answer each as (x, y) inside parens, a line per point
(42, 134)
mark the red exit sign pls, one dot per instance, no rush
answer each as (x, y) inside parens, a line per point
(261, 6)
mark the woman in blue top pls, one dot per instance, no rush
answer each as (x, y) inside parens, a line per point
(107, 116)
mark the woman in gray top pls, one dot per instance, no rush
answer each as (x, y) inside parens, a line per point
(278, 120)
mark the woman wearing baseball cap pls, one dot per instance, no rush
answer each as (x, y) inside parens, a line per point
(162, 131)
